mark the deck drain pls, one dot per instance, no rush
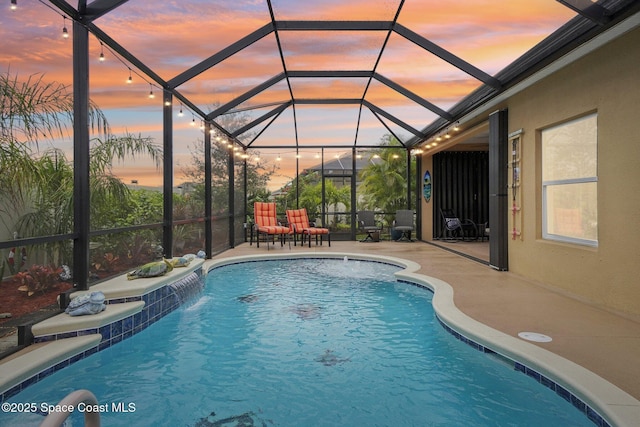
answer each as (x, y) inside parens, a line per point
(534, 336)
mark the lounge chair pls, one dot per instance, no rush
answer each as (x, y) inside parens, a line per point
(455, 229)
(367, 223)
(404, 224)
(299, 225)
(266, 223)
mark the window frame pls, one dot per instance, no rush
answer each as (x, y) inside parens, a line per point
(556, 183)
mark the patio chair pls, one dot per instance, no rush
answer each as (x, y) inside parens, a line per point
(455, 229)
(299, 225)
(266, 223)
(404, 224)
(367, 223)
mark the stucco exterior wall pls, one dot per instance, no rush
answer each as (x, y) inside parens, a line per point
(606, 81)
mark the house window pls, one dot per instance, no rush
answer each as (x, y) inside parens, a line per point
(570, 181)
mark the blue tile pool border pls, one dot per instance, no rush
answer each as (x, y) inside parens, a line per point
(158, 303)
(561, 391)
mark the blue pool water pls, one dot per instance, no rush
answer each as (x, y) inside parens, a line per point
(303, 343)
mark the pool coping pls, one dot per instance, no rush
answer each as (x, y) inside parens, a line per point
(132, 306)
(602, 402)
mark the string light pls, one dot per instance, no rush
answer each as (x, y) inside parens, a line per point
(130, 79)
(180, 113)
(278, 158)
(14, 4)
(151, 95)
(101, 52)
(456, 127)
(193, 120)
(65, 32)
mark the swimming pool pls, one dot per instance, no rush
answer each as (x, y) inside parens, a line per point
(316, 342)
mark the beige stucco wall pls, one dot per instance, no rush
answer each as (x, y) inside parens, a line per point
(606, 81)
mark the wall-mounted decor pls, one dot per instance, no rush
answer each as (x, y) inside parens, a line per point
(426, 187)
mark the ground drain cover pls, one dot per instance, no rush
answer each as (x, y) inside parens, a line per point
(534, 336)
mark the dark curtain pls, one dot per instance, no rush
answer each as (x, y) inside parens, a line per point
(461, 183)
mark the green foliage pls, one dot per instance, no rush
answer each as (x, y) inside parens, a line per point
(143, 207)
(383, 185)
(38, 279)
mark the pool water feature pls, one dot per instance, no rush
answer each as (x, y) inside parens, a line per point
(303, 343)
(186, 288)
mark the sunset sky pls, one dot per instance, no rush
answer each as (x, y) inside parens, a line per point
(171, 37)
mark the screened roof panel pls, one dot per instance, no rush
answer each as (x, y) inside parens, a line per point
(277, 133)
(490, 36)
(335, 10)
(177, 35)
(426, 75)
(317, 88)
(325, 50)
(396, 104)
(326, 125)
(273, 96)
(232, 77)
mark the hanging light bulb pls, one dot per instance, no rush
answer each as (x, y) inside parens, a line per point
(278, 158)
(65, 32)
(151, 95)
(102, 58)
(193, 120)
(130, 79)
(456, 127)
(180, 113)
(14, 4)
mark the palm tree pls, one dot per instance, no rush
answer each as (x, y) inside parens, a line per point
(36, 188)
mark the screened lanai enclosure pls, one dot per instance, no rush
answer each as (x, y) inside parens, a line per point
(136, 129)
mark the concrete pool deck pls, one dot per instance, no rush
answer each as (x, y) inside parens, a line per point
(603, 342)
